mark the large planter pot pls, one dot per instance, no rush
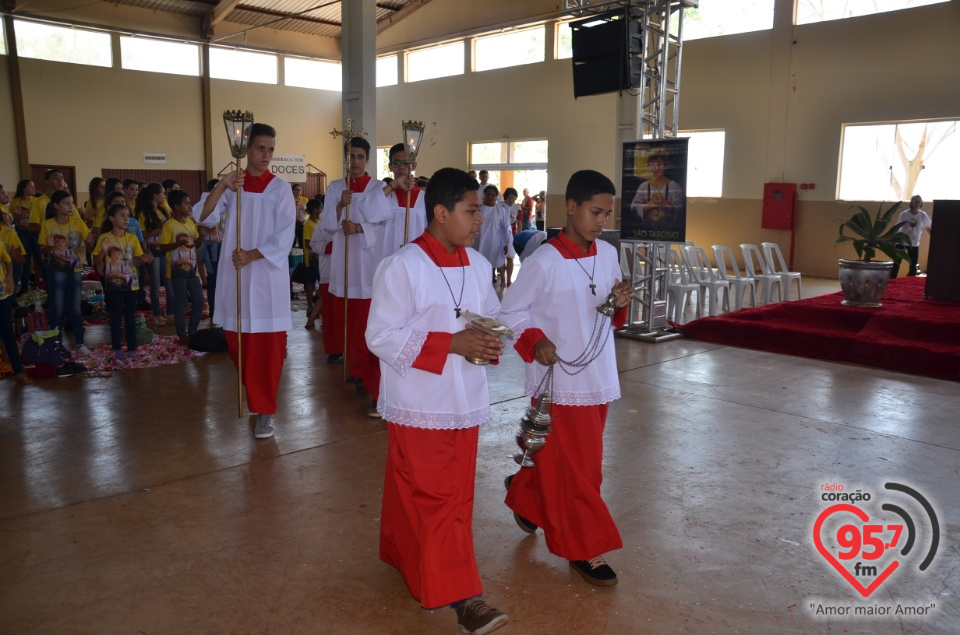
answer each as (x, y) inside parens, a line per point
(863, 283)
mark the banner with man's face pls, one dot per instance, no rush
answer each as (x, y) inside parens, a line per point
(654, 186)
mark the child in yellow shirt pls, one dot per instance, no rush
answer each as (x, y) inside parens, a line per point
(178, 241)
(63, 241)
(116, 256)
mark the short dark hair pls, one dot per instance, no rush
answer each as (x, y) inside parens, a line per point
(586, 184)
(395, 148)
(314, 203)
(128, 182)
(168, 183)
(507, 192)
(113, 196)
(357, 142)
(482, 172)
(448, 186)
(489, 187)
(262, 130)
(51, 172)
(176, 197)
(659, 155)
(212, 183)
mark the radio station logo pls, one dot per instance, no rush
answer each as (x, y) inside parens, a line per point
(866, 539)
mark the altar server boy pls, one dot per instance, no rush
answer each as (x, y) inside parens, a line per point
(552, 309)
(268, 215)
(433, 400)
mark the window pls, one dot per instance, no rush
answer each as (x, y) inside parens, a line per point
(564, 40)
(810, 11)
(438, 61)
(60, 44)
(387, 71)
(3, 40)
(159, 56)
(312, 74)
(894, 161)
(705, 163)
(520, 164)
(509, 49)
(718, 17)
(243, 66)
(495, 155)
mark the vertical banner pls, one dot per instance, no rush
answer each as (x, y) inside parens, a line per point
(653, 187)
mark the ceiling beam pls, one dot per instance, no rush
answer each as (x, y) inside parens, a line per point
(288, 16)
(218, 14)
(389, 21)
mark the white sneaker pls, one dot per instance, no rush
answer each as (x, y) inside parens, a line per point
(83, 350)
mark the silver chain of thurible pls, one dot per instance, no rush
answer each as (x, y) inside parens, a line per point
(595, 345)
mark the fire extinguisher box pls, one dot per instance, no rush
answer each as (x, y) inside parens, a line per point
(779, 205)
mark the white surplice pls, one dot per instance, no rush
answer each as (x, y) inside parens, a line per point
(552, 293)
(410, 300)
(495, 234)
(269, 220)
(369, 209)
(394, 227)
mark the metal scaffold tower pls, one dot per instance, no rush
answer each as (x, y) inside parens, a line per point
(658, 116)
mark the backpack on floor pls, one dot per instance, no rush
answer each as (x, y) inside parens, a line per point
(212, 340)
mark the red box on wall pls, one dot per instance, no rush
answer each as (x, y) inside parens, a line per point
(779, 205)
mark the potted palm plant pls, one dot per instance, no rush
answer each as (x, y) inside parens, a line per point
(863, 281)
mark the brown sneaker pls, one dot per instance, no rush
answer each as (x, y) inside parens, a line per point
(477, 617)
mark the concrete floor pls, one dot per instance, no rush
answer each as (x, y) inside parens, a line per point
(140, 503)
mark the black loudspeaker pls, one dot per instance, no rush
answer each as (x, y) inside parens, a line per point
(607, 53)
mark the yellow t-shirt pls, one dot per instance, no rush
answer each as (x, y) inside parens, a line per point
(21, 208)
(119, 261)
(98, 214)
(152, 241)
(182, 261)
(38, 213)
(10, 240)
(6, 266)
(309, 226)
(65, 242)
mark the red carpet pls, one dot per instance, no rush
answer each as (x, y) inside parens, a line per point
(908, 333)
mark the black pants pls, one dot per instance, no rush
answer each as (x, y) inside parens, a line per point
(6, 334)
(914, 253)
(122, 305)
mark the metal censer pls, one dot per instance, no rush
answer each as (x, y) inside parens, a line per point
(534, 430)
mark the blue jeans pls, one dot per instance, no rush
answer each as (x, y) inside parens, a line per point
(182, 286)
(31, 251)
(158, 276)
(63, 294)
(209, 255)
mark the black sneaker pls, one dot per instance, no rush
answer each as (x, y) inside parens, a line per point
(334, 359)
(476, 617)
(522, 522)
(595, 571)
(69, 369)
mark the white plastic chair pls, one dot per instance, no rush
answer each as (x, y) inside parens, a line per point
(724, 257)
(703, 274)
(766, 278)
(774, 257)
(680, 287)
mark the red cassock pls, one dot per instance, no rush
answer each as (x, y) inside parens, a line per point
(433, 402)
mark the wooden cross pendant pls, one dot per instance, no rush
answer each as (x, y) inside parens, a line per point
(456, 310)
(593, 288)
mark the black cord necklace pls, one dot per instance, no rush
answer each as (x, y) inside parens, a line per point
(463, 273)
(593, 287)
